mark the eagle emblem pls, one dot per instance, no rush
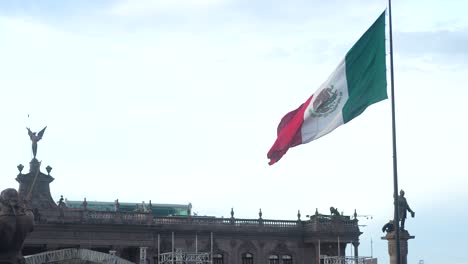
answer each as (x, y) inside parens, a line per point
(326, 102)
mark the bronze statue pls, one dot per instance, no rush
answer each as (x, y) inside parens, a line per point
(60, 202)
(403, 207)
(16, 222)
(35, 138)
(334, 211)
(388, 227)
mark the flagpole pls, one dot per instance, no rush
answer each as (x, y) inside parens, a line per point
(396, 217)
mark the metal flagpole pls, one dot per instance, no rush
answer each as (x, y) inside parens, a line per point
(159, 249)
(396, 217)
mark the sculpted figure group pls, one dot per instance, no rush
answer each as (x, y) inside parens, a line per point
(16, 222)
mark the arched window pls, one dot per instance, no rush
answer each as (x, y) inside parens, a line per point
(218, 259)
(286, 259)
(273, 259)
(247, 258)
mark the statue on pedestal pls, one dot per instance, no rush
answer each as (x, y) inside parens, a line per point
(35, 138)
(403, 207)
(398, 238)
(16, 222)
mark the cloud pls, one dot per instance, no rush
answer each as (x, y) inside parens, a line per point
(441, 42)
(129, 8)
(433, 50)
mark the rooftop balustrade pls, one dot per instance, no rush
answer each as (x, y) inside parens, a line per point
(317, 223)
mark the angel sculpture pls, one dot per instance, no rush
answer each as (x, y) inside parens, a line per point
(35, 138)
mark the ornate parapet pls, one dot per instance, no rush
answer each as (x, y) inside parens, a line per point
(74, 216)
(331, 228)
(324, 227)
(327, 223)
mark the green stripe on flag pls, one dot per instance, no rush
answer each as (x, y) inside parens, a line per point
(366, 71)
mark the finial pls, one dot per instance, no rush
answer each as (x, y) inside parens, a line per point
(232, 212)
(20, 168)
(48, 169)
(299, 215)
(260, 213)
(316, 211)
(355, 214)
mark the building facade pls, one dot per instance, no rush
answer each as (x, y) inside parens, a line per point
(152, 233)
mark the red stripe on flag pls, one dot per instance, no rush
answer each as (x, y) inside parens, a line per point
(289, 133)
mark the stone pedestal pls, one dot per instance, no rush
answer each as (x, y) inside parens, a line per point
(35, 186)
(391, 238)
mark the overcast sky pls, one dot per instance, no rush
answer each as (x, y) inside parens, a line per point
(178, 101)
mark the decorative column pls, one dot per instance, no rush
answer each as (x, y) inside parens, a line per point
(356, 251)
(391, 238)
(143, 255)
(317, 251)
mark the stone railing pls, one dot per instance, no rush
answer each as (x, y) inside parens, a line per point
(319, 223)
(348, 260)
(185, 257)
(71, 255)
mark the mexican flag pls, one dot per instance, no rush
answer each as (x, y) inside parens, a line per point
(357, 82)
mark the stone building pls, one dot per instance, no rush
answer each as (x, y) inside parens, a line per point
(154, 233)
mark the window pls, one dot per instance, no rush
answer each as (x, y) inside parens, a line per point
(217, 259)
(247, 258)
(286, 259)
(273, 259)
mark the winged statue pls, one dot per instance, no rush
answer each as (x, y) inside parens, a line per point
(35, 138)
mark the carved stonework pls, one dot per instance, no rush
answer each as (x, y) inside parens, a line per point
(247, 246)
(207, 246)
(233, 243)
(16, 222)
(261, 244)
(218, 250)
(37, 194)
(282, 249)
